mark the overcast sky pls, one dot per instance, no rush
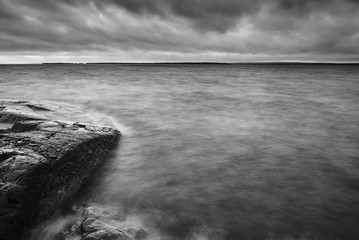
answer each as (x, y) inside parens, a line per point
(34, 31)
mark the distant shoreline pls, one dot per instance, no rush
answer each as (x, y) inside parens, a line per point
(224, 63)
(191, 63)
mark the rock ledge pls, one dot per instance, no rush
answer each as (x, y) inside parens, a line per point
(43, 162)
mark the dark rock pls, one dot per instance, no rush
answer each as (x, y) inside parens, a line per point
(71, 232)
(95, 225)
(43, 163)
(94, 229)
(25, 126)
(38, 106)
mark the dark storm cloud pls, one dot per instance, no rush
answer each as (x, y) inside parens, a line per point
(220, 15)
(317, 27)
(205, 14)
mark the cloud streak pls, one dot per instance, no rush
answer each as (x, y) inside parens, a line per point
(230, 30)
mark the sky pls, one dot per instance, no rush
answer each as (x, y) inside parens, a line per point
(35, 31)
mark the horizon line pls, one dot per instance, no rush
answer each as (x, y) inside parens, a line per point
(196, 62)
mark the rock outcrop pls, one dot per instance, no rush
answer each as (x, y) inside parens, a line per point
(90, 222)
(94, 229)
(43, 162)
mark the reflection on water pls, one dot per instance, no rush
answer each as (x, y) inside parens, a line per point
(219, 152)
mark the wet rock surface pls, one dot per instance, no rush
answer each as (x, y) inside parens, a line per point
(94, 229)
(89, 222)
(43, 162)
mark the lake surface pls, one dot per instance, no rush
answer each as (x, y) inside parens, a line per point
(245, 152)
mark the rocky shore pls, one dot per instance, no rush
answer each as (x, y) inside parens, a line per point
(43, 162)
(91, 222)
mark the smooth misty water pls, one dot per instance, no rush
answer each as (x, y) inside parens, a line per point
(219, 152)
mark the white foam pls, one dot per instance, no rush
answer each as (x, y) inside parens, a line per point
(107, 120)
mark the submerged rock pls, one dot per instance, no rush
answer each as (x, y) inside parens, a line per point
(43, 162)
(98, 222)
(94, 229)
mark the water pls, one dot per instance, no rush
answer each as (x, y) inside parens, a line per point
(219, 152)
